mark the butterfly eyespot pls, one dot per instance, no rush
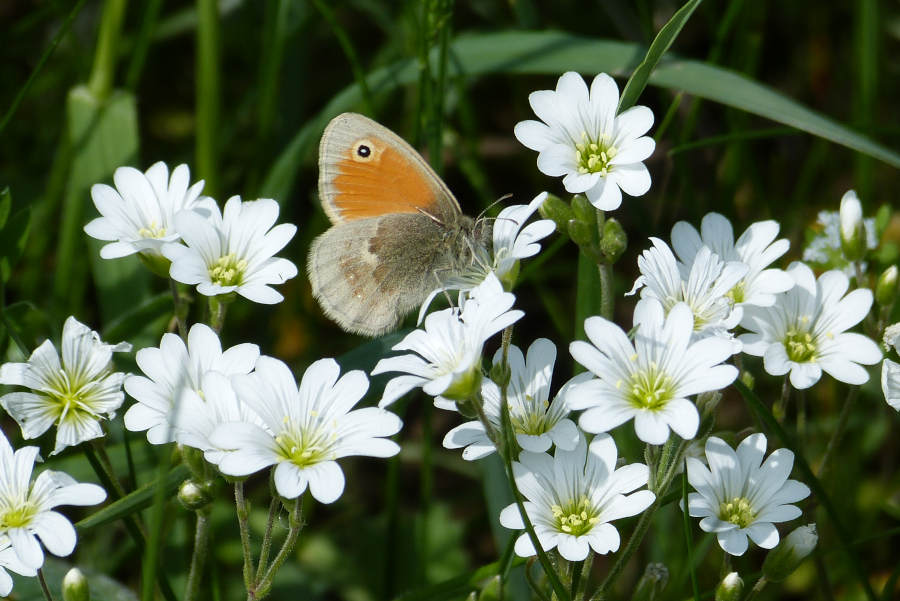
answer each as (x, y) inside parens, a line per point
(363, 151)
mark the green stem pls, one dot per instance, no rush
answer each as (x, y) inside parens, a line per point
(838, 431)
(577, 572)
(267, 538)
(44, 588)
(178, 309)
(779, 409)
(296, 525)
(687, 534)
(7, 323)
(103, 72)
(588, 564)
(343, 39)
(198, 557)
(217, 310)
(243, 516)
(760, 585)
(208, 94)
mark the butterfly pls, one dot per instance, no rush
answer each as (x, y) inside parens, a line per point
(397, 231)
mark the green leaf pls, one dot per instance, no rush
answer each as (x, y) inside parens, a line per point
(844, 541)
(5, 205)
(12, 241)
(135, 501)
(661, 44)
(551, 53)
(139, 319)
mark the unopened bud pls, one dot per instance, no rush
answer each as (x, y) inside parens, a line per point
(581, 233)
(730, 588)
(156, 263)
(75, 586)
(558, 211)
(787, 556)
(886, 288)
(491, 590)
(584, 211)
(853, 231)
(652, 582)
(465, 385)
(194, 496)
(614, 241)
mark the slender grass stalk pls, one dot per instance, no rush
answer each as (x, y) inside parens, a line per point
(687, 534)
(45, 56)
(150, 571)
(141, 47)
(838, 431)
(208, 94)
(359, 74)
(103, 72)
(759, 586)
(11, 330)
(44, 588)
(198, 556)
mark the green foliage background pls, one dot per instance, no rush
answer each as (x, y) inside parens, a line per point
(764, 110)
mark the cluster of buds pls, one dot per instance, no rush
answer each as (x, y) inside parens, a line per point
(604, 241)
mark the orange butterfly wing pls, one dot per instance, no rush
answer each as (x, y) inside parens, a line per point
(366, 170)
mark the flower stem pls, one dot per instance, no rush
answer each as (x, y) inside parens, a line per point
(198, 557)
(687, 535)
(640, 530)
(604, 268)
(44, 588)
(760, 585)
(100, 83)
(267, 539)
(779, 409)
(217, 310)
(296, 525)
(838, 430)
(179, 309)
(243, 515)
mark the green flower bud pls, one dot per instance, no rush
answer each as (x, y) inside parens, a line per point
(491, 590)
(558, 211)
(886, 288)
(584, 211)
(730, 588)
(652, 582)
(466, 408)
(156, 263)
(706, 406)
(465, 385)
(614, 241)
(193, 495)
(853, 232)
(581, 233)
(787, 556)
(75, 586)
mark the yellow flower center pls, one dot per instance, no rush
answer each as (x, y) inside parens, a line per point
(576, 517)
(593, 156)
(800, 346)
(649, 388)
(737, 511)
(153, 230)
(525, 420)
(18, 516)
(228, 270)
(305, 446)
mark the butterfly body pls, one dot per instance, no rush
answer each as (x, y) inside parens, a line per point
(397, 234)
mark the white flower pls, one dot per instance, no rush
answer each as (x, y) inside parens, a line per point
(804, 332)
(581, 138)
(703, 285)
(573, 496)
(650, 379)
(512, 242)
(446, 358)
(890, 373)
(10, 561)
(740, 496)
(26, 506)
(538, 423)
(233, 251)
(756, 248)
(305, 431)
(173, 367)
(138, 214)
(73, 395)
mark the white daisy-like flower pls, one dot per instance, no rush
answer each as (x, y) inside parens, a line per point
(890, 374)
(74, 395)
(512, 242)
(804, 332)
(537, 422)
(26, 505)
(651, 379)
(446, 357)
(174, 367)
(580, 137)
(138, 215)
(305, 430)
(573, 496)
(233, 251)
(703, 284)
(757, 248)
(10, 561)
(739, 495)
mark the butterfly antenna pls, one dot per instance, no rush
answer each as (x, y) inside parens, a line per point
(490, 206)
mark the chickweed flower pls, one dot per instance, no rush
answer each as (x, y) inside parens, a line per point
(446, 357)
(703, 284)
(305, 430)
(74, 394)
(26, 506)
(573, 496)
(756, 247)
(890, 373)
(10, 561)
(740, 496)
(537, 422)
(172, 368)
(804, 332)
(233, 251)
(651, 379)
(580, 137)
(138, 215)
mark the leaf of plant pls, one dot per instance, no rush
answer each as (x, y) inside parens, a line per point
(661, 44)
(135, 501)
(12, 241)
(551, 53)
(454, 588)
(5, 205)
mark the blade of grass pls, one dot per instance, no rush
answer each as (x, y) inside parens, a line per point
(866, 37)
(800, 462)
(142, 45)
(661, 43)
(687, 535)
(359, 74)
(208, 95)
